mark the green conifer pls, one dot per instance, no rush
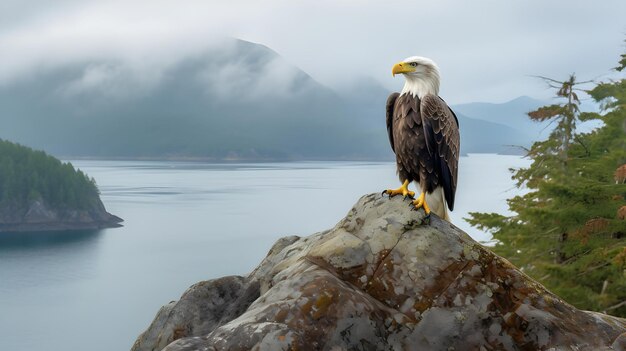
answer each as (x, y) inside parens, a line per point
(566, 231)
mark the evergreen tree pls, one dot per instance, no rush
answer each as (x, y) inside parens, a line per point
(566, 232)
(27, 176)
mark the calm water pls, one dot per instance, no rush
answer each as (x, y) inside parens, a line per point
(185, 222)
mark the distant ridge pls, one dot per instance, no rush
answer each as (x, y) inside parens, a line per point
(235, 101)
(512, 114)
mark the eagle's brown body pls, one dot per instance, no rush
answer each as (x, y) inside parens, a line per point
(424, 134)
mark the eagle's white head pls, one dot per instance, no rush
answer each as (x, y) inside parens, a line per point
(421, 73)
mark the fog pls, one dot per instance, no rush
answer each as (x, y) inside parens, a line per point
(487, 49)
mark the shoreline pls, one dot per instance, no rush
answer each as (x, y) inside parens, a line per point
(68, 158)
(115, 222)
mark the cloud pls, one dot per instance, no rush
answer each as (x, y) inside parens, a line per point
(224, 69)
(110, 81)
(271, 76)
(486, 49)
(109, 31)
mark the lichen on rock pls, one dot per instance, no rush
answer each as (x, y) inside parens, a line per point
(381, 279)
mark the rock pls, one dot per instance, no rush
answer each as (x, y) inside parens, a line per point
(381, 279)
(202, 308)
(39, 213)
(40, 216)
(620, 343)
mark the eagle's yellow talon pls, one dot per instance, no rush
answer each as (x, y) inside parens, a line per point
(421, 203)
(403, 190)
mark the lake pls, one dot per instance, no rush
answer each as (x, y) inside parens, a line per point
(186, 222)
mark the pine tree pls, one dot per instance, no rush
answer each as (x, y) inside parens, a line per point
(27, 175)
(566, 232)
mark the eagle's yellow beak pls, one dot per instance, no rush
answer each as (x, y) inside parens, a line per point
(402, 67)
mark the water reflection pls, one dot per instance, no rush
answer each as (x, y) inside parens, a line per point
(38, 259)
(48, 239)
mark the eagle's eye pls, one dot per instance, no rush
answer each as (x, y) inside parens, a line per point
(413, 64)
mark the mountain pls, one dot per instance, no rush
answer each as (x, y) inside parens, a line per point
(238, 101)
(512, 114)
(479, 136)
(234, 101)
(481, 131)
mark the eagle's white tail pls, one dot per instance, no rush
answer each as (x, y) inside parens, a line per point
(437, 203)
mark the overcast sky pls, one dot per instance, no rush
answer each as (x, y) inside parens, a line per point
(487, 50)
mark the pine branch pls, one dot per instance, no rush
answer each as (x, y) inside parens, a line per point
(614, 306)
(594, 268)
(583, 145)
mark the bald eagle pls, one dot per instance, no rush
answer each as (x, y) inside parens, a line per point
(424, 134)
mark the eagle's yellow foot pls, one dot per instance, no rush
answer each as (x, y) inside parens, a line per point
(403, 190)
(421, 203)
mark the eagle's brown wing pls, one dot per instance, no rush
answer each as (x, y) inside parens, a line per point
(391, 101)
(441, 130)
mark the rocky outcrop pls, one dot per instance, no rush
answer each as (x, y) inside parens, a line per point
(381, 279)
(39, 216)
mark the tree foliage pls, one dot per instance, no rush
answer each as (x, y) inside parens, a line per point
(566, 231)
(27, 175)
